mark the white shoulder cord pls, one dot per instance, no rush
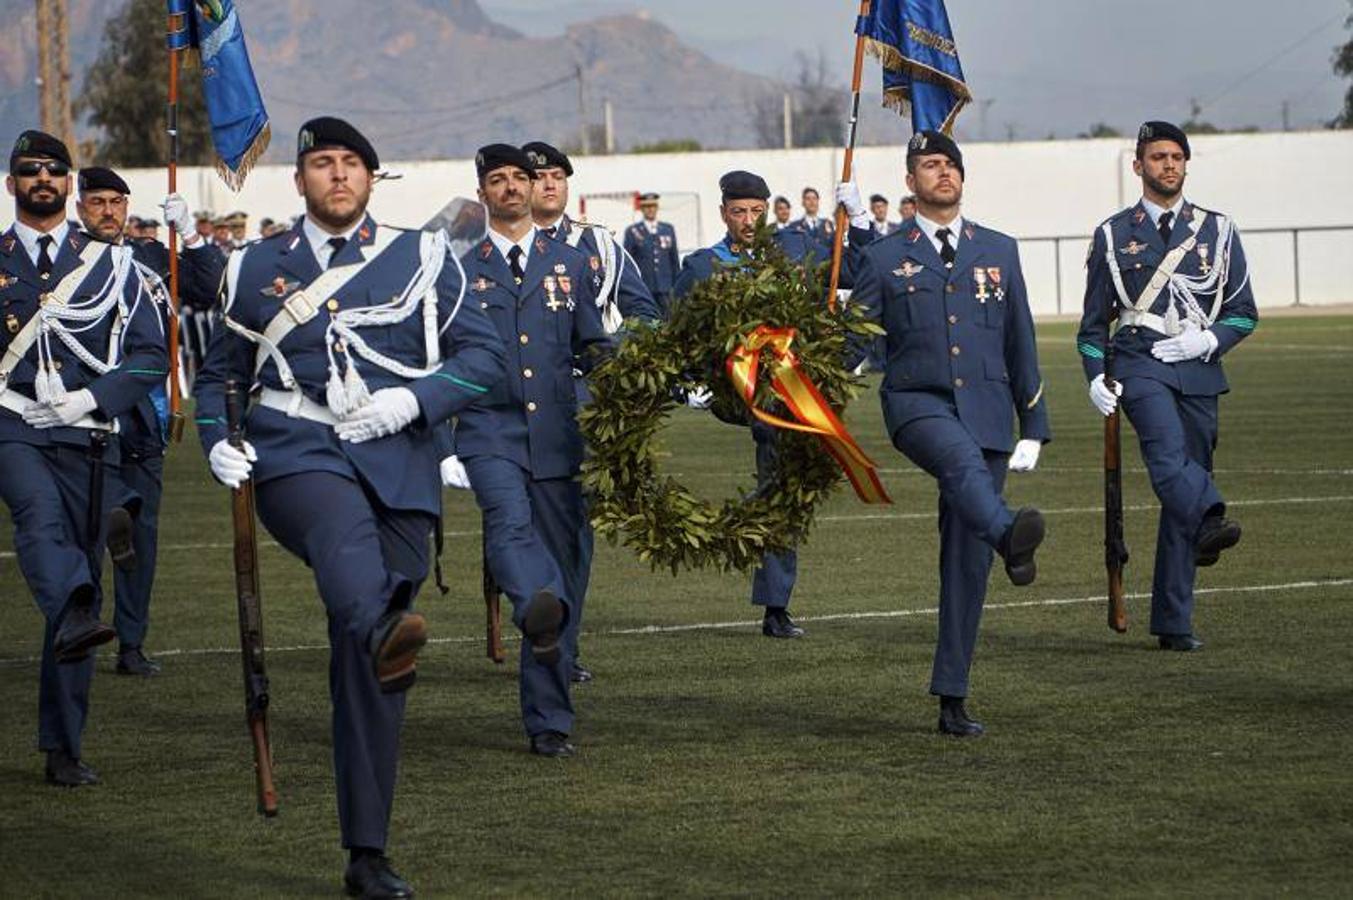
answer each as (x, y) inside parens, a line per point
(48, 387)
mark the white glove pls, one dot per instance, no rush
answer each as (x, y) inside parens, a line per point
(1025, 456)
(699, 398)
(389, 411)
(177, 217)
(78, 405)
(454, 474)
(1192, 343)
(848, 195)
(1105, 400)
(232, 466)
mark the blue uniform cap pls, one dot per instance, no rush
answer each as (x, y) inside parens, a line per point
(545, 156)
(1163, 131)
(739, 185)
(98, 178)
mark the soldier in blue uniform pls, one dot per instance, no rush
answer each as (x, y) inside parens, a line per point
(520, 444)
(1174, 276)
(879, 223)
(821, 230)
(133, 525)
(744, 209)
(653, 245)
(360, 340)
(621, 294)
(83, 344)
(960, 368)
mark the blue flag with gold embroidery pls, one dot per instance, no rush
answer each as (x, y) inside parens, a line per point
(239, 123)
(921, 71)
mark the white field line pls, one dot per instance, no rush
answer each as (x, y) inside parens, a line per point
(750, 623)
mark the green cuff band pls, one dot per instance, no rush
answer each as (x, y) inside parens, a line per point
(468, 385)
(148, 371)
(1090, 350)
(1240, 323)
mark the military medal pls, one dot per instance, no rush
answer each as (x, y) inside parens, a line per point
(566, 285)
(1202, 259)
(560, 268)
(994, 276)
(12, 323)
(551, 302)
(593, 261)
(979, 275)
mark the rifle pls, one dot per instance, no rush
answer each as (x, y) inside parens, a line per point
(493, 610)
(1115, 547)
(98, 445)
(249, 603)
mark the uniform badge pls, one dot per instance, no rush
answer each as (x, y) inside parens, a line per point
(6, 280)
(12, 323)
(994, 276)
(915, 235)
(551, 301)
(909, 269)
(1133, 248)
(979, 277)
(969, 232)
(486, 250)
(560, 268)
(541, 246)
(482, 284)
(364, 233)
(1186, 213)
(664, 242)
(9, 244)
(1203, 264)
(279, 288)
(294, 241)
(1138, 216)
(593, 261)
(565, 284)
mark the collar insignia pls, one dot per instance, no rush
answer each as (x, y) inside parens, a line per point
(364, 234)
(486, 250)
(540, 245)
(1138, 216)
(915, 235)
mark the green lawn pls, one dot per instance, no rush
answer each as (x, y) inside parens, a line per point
(716, 762)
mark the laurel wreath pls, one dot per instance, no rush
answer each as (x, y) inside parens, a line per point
(653, 514)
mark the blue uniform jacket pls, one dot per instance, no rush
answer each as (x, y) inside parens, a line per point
(821, 232)
(952, 340)
(401, 468)
(143, 363)
(656, 255)
(550, 324)
(1138, 248)
(632, 292)
(797, 244)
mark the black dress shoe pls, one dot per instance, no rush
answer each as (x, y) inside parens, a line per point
(954, 719)
(131, 661)
(552, 743)
(1021, 540)
(63, 770)
(580, 674)
(543, 622)
(778, 624)
(120, 534)
(1216, 534)
(395, 642)
(371, 878)
(80, 632)
(1184, 643)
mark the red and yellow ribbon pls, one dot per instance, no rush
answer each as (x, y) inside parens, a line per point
(811, 410)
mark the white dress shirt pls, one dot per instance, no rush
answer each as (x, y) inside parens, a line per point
(929, 226)
(505, 244)
(28, 236)
(319, 239)
(1155, 211)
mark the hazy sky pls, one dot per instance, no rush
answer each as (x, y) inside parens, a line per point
(1046, 66)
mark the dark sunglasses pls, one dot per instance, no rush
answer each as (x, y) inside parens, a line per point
(30, 169)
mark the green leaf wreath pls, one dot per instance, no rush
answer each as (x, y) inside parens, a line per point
(653, 514)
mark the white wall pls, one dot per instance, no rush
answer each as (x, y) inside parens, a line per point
(1039, 189)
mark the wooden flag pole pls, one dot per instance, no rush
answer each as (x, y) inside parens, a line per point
(176, 25)
(841, 218)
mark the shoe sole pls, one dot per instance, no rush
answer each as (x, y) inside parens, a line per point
(541, 627)
(395, 664)
(80, 649)
(1026, 535)
(1207, 554)
(120, 540)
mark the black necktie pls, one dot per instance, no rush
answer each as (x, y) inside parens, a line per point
(45, 255)
(338, 243)
(552, 231)
(1166, 220)
(946, 249)
(514, 260)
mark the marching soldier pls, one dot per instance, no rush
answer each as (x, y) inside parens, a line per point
(622, 293)
(1175, 277)
(360, 347)
(961, 366)
(83, 344)
(653, 245)
(743, 210)
(133, 526)
(520, 444)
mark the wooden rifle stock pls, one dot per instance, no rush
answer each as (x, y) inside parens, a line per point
(249, 603)
(493, 612)
(1115, 547)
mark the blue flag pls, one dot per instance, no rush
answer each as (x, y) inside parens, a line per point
(921, 71)
(239, 123)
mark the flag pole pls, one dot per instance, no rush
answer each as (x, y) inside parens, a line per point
(177, 24)
(848, 163)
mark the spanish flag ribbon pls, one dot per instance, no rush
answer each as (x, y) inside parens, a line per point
(811, 410)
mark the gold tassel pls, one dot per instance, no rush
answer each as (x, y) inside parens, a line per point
(234, 178)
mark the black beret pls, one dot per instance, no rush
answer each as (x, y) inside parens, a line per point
(495, 156)
(649, 197)
(38, 144)
(544, 156)
(878, 198)
(327, 132)
(97, 178)
(1163, 131)
(926, 143)
(739, 185)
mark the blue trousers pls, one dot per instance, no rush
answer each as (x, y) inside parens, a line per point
(532, 535)
(143, 483)
(47, 492)
(367, 559)
(1177, 433)
(973, 519)
(773, 581)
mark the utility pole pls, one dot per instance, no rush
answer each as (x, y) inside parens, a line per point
(1287, 116)
(610, 126)
(789, 121)
(54, 69)
(582, 111)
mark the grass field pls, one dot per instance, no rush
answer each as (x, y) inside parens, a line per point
(715, 762)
